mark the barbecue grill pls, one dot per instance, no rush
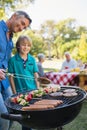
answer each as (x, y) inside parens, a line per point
(49, 118)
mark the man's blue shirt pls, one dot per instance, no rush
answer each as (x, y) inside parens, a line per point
(5, 50)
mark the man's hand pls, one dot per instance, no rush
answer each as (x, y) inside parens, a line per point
(2, 74)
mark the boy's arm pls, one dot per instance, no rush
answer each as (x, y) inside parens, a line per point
(12, 84)
(36, 80)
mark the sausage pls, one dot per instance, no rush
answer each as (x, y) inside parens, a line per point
(37, 107)
(52, 102)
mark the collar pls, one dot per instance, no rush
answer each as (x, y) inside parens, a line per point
(18, 57)
(5, 27)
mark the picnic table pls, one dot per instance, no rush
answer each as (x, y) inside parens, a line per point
(62, 78)
(70, 78)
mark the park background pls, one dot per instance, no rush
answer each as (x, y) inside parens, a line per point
(58, 31)
(67, 31)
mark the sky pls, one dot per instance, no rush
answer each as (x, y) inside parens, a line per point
(42, 10)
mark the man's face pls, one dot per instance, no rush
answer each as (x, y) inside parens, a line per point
(18, 24)
(67, 57)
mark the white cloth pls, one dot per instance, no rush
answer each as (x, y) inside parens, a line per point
(69, 64)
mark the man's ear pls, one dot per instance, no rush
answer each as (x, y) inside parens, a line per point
(14, 15)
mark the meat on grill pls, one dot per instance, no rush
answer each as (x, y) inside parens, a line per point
(43, 104)
(70, 94)
(47, 101)
(56, 94)
(37, 107)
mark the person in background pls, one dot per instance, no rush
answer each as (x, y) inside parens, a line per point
(24, 64)
(80, 64)
(41, 59)
(85, 65)
(69, 63)
(17, 22)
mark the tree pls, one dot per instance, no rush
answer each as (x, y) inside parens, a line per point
(14, 3)
(48, 33)
(56, 45)
(81, 29)
(8, 6)
(67, 29)
(82, 50)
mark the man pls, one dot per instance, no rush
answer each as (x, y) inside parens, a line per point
(16, 23)
(69, 63)
(41, 59)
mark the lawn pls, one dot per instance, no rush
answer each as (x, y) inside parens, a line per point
(79, 123)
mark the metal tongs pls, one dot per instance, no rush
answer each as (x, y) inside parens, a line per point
(42, 80)
(21, 76)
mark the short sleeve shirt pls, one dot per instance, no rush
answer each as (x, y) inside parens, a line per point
(40, 69)
(16, 66)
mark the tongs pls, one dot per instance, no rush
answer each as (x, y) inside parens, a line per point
(21, 76)
(42, 80)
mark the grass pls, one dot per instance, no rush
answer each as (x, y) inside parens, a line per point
(50, 69)
(79, 123)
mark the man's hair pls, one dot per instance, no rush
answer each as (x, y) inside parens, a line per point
(66, 53)
(41, 56)
(22, 13)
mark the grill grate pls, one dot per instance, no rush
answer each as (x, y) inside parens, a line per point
(67, 101)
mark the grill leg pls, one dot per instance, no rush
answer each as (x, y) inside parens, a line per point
(59, 128)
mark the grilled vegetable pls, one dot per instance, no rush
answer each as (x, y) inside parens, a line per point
(28, 97)
(24, 102)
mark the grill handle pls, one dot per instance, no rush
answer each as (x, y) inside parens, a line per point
(13, 117)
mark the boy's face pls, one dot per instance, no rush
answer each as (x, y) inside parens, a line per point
(24, 47)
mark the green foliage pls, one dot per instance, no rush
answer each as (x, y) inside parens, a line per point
(38, 46)
(66, 29)
(2, 13)
(61, 36)
(69, 46)
(82, 49)
(80, 30)
(13, 5)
